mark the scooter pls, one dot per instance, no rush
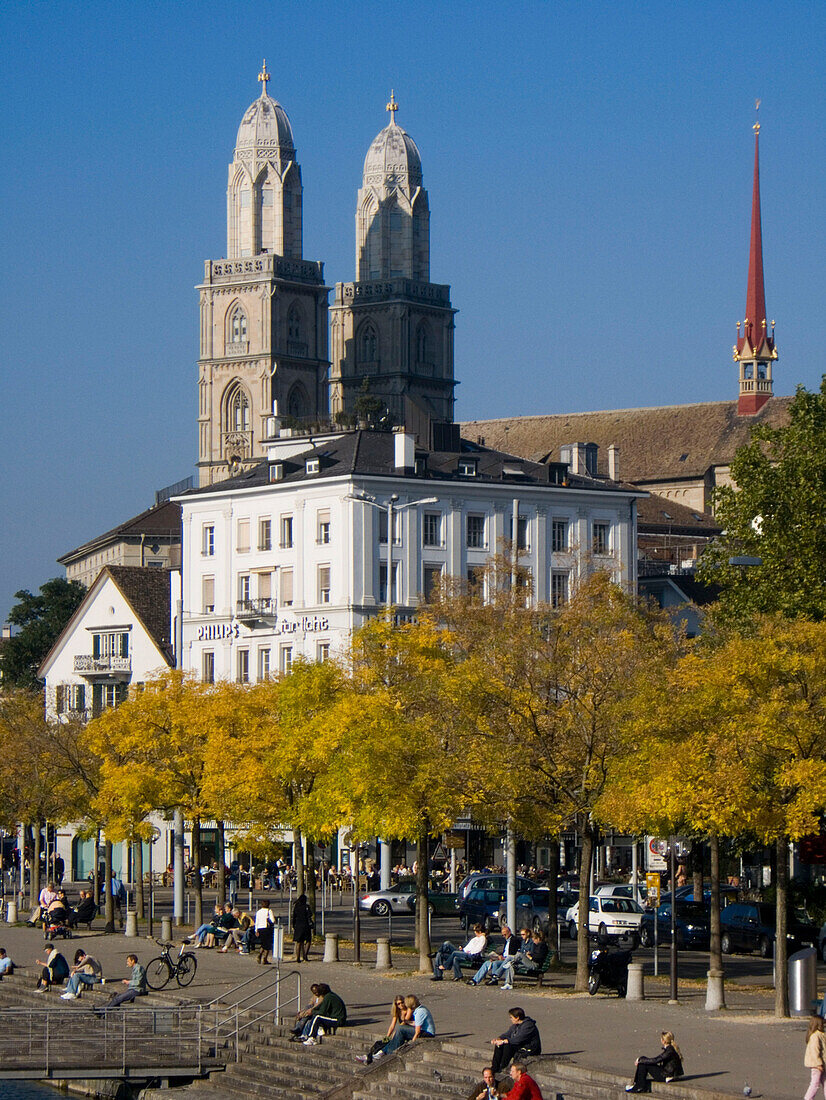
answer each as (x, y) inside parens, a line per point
(608, 968)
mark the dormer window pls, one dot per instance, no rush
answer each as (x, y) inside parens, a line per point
(276, 471)
(468, 467)
(312, 466)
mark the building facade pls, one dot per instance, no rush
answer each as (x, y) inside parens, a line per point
(150, 540)
(288, 559)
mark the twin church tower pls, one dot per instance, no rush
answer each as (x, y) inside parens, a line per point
(264, 308)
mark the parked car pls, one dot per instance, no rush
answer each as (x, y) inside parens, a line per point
(440, 902)
(728, 894)
(821, 943)
(487, 907)
(535, 914)
(487, 880)
(608, 918)
(693, 925)
(752, 926)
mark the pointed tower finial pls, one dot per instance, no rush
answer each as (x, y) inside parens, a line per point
(755, 348)
(756, 126)
(263, 77)
(392, 107)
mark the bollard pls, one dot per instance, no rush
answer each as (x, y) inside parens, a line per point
(166, 929)
(636, 988)
(131, 924)
(331, 947)
(383, 959)
(715, 991)
(11, 913)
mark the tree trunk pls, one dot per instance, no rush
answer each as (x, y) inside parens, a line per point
(139, 897)
(781, 951)
(108, 900)
(586, 856)
(697, 850)
(309, 875)
(715, 954)
(422, 900)
(222, 864)
(553, 886)
(34, 877)
(199, 886)
(298, 861)
(96, 873)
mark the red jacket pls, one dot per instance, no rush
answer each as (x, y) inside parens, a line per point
(525, 1089)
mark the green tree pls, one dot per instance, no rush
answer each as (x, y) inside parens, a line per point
(40, 619)
(776, 510)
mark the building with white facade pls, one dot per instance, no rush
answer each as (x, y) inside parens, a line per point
(286, 560)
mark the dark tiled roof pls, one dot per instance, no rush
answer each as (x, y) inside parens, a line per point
(373, 452)
(148, 593)
(162, 521)
(657, 444)
(657, 514)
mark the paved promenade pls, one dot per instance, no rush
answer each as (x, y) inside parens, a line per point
(723, 1051)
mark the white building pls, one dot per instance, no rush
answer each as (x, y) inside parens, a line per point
(285, 560)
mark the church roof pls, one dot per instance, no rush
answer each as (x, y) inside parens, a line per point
(265, 130)
(393, 159)
(668, 442)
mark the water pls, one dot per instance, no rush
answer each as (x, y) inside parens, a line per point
(27, 1090)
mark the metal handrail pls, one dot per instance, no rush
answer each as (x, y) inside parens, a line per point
(231, 1023)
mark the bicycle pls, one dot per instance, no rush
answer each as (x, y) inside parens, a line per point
(161, 970)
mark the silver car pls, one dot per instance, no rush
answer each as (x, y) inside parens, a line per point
(399, 899)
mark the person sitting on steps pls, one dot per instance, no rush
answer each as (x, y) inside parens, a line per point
(664, 1066)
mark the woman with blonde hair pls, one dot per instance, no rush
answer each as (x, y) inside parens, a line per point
(815, 1057)
(665, 1066)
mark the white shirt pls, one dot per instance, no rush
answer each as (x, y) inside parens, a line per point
(475, 946)
(263, 917)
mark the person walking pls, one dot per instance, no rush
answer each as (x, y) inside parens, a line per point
(815, 1057)
(264, 926)
(665, 1066)
(302, 928)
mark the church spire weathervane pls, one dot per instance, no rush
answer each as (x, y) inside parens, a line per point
(392, 107)
(263, 77)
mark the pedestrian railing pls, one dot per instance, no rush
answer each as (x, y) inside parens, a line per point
(265, 997)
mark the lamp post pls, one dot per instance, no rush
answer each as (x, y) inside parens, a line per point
(391, 508)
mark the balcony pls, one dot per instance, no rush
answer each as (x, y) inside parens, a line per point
(262, 610)
(87, 665)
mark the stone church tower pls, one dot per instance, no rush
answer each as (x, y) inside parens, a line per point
(393, 326)
(263, 332)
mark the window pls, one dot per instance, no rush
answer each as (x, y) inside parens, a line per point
(286, 587)
(294, 323)
(115, 644)
(422, 344)
(265, 591)
(467, 467)
(70, 698)
(523, 529)
(312, 466)
(286, 532)
(394, 594)
(276, 471)
(263, 664)
(285, 658)
(324, 584)
(322, 652)
(601, 538)
(238, 412)
(208, 595)
(208, 666)
(432, 529)
(476, 580)
(432, 579)
(242, 540)
(238, 323)
(383, 528)
(208, 540)
(559, 535)
(476, 532)
(559, 589)
(265, 534)
(107, 695)
(243, 676)
(323, 528)
(368, 345)
(243, 589)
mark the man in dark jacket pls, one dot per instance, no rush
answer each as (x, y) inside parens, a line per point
(329, 1013)
(522, 1037)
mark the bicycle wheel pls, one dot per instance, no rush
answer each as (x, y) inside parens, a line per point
(158, 973)
(185, 972)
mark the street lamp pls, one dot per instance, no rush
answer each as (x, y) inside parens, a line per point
(391, 507)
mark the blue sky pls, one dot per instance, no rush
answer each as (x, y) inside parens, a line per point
(589, 173)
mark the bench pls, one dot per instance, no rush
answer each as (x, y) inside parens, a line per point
(520, 971)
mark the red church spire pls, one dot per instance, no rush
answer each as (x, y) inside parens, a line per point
(755, 350)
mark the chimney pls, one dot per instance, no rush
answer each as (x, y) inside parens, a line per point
(613, 462)
(404, 450)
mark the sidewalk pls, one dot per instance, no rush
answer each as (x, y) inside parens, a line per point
(723, 1051)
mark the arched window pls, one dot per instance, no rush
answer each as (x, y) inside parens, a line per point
(294, 323)
(238, 325)
(297, 404)
(368, 345)
(422, 344)
(238, 411)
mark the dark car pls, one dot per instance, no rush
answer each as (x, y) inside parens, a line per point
(693, 925)
(752, 926)
(535, 914)
(486, 907)
(491, 880)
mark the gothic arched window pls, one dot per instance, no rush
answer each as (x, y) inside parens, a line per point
(422, 344)
(238, 411)
(238, 325)
(294, 323)
(368, 345)
(297, 404)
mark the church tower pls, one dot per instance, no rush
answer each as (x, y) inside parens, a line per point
(263, 332)
(755, 348)
(393, 327)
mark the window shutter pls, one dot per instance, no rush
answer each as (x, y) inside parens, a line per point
(60, 698)
(286, 586)
(264, 586)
